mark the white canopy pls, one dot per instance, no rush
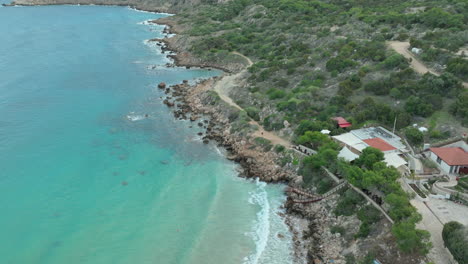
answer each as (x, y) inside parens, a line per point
(351, 140)
(393, 159)
(347, 154)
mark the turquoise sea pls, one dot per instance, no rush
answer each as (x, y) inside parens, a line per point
(85, 178)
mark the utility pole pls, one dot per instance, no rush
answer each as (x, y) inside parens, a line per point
(394, 124)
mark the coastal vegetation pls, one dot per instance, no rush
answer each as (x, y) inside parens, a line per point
(314, 60)
(317, 59)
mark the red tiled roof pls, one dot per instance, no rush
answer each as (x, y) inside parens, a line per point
(342, 122)
(379, 143)
(452, 156)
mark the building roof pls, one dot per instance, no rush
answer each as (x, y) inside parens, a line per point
(452, 156)
(380, 132)
(351, 140)
(347, 154)
(393, 159)
(379, 143)
(341, 121)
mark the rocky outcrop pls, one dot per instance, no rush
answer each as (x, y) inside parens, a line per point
(194, 103)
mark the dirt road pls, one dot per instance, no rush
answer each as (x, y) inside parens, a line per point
(230, 81)
(402, 48)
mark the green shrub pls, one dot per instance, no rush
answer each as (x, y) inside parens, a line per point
(276, 94)
(264, 143)
(395, 61)
(279, 148)
(414, 136)
(348, 202)
(459, 67)
(253, 113)
(455, 239)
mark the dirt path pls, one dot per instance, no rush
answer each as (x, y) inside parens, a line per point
(402, 48)
(246, 58)
(228, 82)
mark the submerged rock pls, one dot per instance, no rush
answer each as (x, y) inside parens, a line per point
(162, 85)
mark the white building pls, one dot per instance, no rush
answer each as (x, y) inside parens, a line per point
(355, 141)
(451, 160)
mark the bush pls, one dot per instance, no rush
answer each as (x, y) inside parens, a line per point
(253, 113)
(339, 64)
(417, 106)
(279, 148)
(455, 239)
(395, 61)
(460, 108)
(459, 67)
(414, 136)
(324, 185)
(276, 94)
(348, 203)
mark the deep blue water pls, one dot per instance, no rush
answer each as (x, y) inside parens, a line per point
(85, 178)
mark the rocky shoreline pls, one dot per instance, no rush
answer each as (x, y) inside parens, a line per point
(308, 223)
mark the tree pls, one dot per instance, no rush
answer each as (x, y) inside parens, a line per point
(313, 139)
(410, 239)
(308, 125)
(459, 67)
(400, 208)
(460, 108)
(414, 136)
(369, 156)
(417, 106)
(455, 239)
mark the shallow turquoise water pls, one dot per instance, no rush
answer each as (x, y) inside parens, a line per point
(84, 178)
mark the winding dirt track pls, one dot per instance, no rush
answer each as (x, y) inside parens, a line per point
(402, 48)
(228, 82)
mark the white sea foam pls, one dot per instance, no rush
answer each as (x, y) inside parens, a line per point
(133, 117)
(261, 228)
(149, 22)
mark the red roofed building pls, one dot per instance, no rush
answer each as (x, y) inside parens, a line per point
(342, 122)
(450, 160)
(379, 143)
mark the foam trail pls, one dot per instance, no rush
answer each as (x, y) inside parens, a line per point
(147, 22)
(261, 228)
(134, 118)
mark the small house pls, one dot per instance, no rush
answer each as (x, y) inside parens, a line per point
(451, 160)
